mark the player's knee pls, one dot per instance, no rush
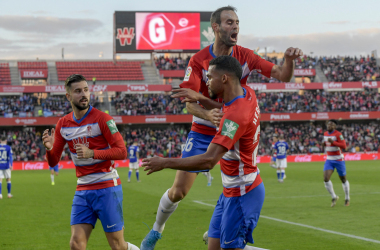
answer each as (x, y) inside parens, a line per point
(77, 244)
(326, 179)
(118, 244)
(176, 194)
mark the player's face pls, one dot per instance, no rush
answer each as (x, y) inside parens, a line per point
(79, 95)
(330, 126)
(229, 28)
(214, 82)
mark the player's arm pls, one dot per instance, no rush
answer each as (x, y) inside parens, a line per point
(204, 161)
(190, 95)
(10, 159)
(340, 142)
(213, 115)
(54, 144)
(285, 72)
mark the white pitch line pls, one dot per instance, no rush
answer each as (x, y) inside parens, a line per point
(307, 226)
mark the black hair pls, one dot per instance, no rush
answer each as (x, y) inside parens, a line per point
(334, 121)
(73, 79)
(215, 16)
(229, 64)
(3, 138)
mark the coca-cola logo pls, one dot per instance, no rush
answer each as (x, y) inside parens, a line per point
(34, 166)
(155, 119)
(302, 158)
(352, 157)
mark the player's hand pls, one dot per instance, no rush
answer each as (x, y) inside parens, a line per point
(293, 53)
(330, 140)
(188, 94)
(84, 152)
(153, 164)
(48, 140)
(214, 116)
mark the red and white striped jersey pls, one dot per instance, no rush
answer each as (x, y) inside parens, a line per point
(97, 131)
(196, 77)
(239, 132)
(334, 150)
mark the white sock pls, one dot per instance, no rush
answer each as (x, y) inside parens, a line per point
(208, 175)
(252, 248)
(165, 209)
(346, 189)
(132, 247)
(329, 187)
(52, 177)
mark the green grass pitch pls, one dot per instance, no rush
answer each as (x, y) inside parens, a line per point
(296, 213)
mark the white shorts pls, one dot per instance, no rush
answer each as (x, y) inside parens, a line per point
(281, 163)
(5, 173)
(134, 165)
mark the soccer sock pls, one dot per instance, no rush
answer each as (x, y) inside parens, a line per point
(132, 247)
(329, 187)
(278, 174)
(208, 175)
(252, 248)
(0, 187)
(282, 173)
(9, 185)
(52, 177)
(165, 209)
(137, 175)
(129, 174)
(346, 189)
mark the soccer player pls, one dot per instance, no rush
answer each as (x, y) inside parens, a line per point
(225, 24)
(281, 147)
(6, 165)
(133, 152)
(235, 145)
(53, 170)
(94, 142)
(273, 159)
(334, 144)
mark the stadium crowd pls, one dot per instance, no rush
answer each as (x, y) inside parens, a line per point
(17, 105)
(171, 63)
(350, 69)
(303, 138)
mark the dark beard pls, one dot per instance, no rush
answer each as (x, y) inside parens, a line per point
(212, 95)
(80, 107)
(225, 38)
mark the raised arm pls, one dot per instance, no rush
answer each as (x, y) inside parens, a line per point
(285, 72)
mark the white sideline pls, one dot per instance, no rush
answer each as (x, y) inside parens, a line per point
(307, 226)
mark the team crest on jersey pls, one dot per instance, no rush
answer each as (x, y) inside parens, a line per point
(112, 126)
(81, 140)
(89, 131)
(229, 128)
(188, 73)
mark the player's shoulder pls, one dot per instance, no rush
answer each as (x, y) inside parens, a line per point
(201, 55)
(99, 115)
(336, 132)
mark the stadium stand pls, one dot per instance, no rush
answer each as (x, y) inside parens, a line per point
(102, 70)
(172, 63)
(32, 65)
(5, 76)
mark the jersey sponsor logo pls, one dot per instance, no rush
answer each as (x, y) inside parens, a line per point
(112, 126)
(225, 242)
(229, 128)
(82, 141)
(89, 131)
(188, 73)
(341, 137)
(111, 226)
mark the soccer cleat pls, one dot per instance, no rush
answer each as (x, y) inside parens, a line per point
(280, 180)
(284, 176)
(1, 196)
(334, 200)
(10, 196)
(205, 237)
(129, 180)
(138, 181)
(53, 183)
(347, 203)
(150, 240)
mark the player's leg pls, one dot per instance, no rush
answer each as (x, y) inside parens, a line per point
(9, 184)
(52, 176)
(278, 166)
(209, 177)
(341, 169)
(130, 172)
(116, 241)
(137, 171)
(328, 170)
(284, 165)
(80, 233)
(1, 179)
(83, 219)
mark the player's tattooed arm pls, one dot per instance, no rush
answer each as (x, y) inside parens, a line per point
(285, 72)
(213, 115)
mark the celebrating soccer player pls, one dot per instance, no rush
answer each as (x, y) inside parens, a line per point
(94, 142)
(225, 24)
(334, 144)
(235, 145)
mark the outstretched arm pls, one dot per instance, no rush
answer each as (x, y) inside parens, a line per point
(193, 96)
(214, 115)
(204, 161)
(285, 72)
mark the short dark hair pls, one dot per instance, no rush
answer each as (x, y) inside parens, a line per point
(229, 64)
(3, 138)
(334, 121)
(215, 16)
(72, 79)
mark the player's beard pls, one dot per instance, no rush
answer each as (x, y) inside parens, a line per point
(225, 37)
(81, 106)
(212, 95)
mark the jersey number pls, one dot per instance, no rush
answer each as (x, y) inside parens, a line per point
(131, 153)
(3, 156)
(255, 138)
(281, 150)
(189, 145)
